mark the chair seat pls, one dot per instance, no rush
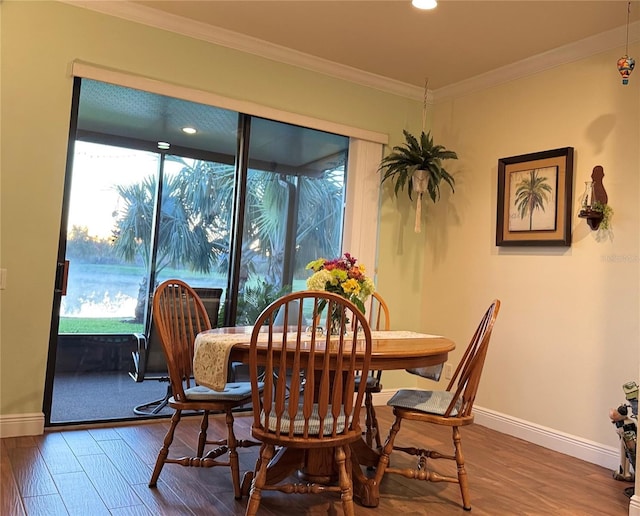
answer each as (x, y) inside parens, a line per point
(298, 422)
(232, 391)
(430, 402)
(429, 372)
(373, 384)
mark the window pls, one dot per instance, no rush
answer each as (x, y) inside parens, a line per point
(242, 203)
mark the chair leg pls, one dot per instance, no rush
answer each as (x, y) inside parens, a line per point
(343, 463)
(202, 436)
(374, 425)
(368, 421)
(232, 444)
(383, 461)
(164, 451)
(255, 495)
(462, 472)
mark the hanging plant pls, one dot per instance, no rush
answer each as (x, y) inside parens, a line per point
(417, 164)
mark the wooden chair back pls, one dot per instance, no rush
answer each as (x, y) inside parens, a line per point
(378, 313)
(326, 363)
(466, 378)
(179, 315)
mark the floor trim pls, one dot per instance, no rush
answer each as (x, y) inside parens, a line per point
(18, 425)
(574, 446)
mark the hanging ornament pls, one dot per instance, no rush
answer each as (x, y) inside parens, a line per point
(626, 64)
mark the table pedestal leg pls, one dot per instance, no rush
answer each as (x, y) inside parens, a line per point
(366, 490)
(317, 466)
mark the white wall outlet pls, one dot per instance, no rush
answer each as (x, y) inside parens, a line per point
(448, 371)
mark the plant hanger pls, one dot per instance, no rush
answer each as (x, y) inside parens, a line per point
(418, 164)
(419, 176)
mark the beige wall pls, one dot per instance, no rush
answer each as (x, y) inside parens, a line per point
(567, 336)
(39, 41)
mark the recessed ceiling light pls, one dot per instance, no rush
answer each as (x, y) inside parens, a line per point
(163, 145)
(189, 130)
(424, 4)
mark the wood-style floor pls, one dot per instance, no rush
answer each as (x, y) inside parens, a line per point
(89, 472)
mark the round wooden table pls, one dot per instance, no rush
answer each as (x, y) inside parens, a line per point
(390, 350)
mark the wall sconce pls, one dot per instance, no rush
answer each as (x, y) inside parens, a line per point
(594, 200)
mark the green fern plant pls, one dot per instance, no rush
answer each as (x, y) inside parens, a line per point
(607, 213)
(413, 155)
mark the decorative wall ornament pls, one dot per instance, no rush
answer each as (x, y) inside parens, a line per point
(626, 64)
(535, 193)
(594, 206)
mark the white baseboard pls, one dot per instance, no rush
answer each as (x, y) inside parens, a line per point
(634, 506)
(606, 456)
(583, 449)
(18, 425)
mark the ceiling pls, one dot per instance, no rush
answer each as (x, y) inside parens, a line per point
(389, 40)
(458, 40)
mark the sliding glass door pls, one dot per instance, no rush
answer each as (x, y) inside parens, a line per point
(103, 284)
(163, 188)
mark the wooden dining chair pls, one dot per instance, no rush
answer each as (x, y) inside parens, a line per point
(451, 407)
(324, 417)
(379, 319)
(179, 315)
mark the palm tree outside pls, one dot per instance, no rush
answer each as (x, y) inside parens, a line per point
(196, 221)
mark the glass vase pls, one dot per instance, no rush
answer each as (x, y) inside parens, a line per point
(587, 196)
(335, 324)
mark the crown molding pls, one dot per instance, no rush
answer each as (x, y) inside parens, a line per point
(229, 39)
(226, 38)
(539, 63)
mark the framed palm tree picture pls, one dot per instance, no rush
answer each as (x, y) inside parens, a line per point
(535, 193)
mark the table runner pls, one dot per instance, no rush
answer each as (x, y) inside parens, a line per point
(211, 358)
(212, 350)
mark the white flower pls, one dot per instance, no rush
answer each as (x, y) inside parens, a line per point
(318, 280)
(366, 289)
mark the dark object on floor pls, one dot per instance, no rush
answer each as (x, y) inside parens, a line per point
(624, 418)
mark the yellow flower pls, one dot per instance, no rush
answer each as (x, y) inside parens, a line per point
(351, 286)
(341, 276)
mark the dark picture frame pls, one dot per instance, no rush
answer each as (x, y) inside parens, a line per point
(535, 195)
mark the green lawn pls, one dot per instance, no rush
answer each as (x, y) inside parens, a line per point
(117, 325)
(86, 325)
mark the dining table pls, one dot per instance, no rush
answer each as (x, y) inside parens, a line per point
(390, 350)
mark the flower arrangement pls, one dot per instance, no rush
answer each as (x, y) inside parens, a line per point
(343, 276)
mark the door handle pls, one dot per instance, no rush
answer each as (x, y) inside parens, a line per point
(62, 275)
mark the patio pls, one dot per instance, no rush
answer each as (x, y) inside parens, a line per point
(102, 396)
